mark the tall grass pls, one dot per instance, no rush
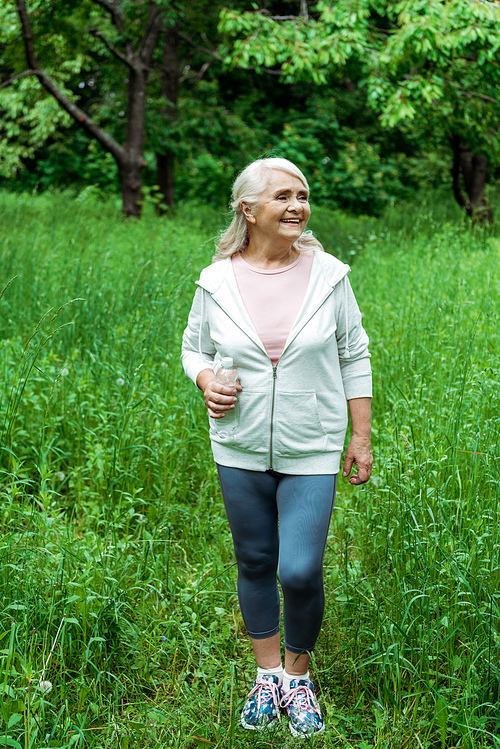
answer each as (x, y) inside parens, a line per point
(117, 580)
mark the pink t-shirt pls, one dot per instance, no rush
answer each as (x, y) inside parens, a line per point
(273, 298)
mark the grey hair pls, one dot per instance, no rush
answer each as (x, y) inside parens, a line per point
(247, 188)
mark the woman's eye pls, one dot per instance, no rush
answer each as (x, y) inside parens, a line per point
(303, 198)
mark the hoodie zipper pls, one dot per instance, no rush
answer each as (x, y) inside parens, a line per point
(275, 366)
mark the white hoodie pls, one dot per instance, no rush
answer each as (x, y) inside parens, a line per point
(292, 417)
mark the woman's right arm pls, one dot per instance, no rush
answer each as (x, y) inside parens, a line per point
(198, 353)
(198, 350)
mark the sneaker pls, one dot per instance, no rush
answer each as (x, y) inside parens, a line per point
(263, 702)
(302, 707)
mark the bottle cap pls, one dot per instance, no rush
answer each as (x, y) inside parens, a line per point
(227, 362)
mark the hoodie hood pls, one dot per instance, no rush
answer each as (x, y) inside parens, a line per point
(326, 273)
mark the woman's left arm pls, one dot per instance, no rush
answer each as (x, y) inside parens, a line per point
(359, 452)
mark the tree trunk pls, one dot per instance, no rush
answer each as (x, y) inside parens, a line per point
(170, 91)
(131, 186)
(129, 157)
(130, 170)
(470, 170)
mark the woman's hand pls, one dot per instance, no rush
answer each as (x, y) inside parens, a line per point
(359, 451)
(218, 398)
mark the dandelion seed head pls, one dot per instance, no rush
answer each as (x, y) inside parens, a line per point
(120, 381)
(45, 686)
(64, 372)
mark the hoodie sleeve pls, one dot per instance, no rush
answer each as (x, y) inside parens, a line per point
(198, 350)
(352, 344)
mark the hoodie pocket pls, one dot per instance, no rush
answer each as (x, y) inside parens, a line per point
(297, 426)
(250, 428)
(227, 428)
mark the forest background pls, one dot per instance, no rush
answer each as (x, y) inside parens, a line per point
(376, 101)
(119, 623)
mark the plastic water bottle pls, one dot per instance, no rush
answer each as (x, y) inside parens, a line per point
(228, 375)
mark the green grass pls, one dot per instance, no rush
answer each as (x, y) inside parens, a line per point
(117, 579)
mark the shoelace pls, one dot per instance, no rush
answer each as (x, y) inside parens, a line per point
(262, 690)
(304, 697)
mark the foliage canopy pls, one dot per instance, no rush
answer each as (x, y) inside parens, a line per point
(394, 82)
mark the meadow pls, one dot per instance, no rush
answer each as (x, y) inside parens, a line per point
(119, 624)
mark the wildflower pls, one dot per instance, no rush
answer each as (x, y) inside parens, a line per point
(45, 686)
(64, 372)
(120, 381)
(60, 475)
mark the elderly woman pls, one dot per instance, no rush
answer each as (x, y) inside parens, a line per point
(284, 311)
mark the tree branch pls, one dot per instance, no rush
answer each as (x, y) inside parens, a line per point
(106, 141)
(206, 51)
(117, 19)
(197, 76)
(29, 47)
(114, 12)
(480, 96)
(303, 15)
(151, 33)
(116, 52)
(203, 69)
(197, 47)
(8, 81)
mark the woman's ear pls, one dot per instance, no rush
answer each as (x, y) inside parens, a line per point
(247, 212)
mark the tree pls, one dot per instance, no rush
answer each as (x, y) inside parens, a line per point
(439, 68)
(134, 51)
(85, 54)
(170, 93)
(431, 65)
(28, 118)
(206, 119)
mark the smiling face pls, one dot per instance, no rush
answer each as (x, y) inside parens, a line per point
(282, 212)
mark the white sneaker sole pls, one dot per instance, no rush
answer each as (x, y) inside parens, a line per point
(302, 735)
(249, 727)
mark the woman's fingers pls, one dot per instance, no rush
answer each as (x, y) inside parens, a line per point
(359, 454)
(220, 398)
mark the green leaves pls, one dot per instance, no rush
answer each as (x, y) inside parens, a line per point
(302, 49)
(432, 61)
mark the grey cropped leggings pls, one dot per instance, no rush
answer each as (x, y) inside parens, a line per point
(279, 524)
